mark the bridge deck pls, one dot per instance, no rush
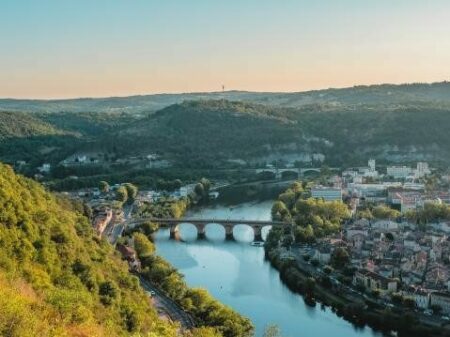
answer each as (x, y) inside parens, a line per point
(232, 222)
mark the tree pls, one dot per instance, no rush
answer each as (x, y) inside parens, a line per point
(122, 194)
(144, 247)
(436, 308)
(132, 191)
(279, 210)
(206, 184)
(199, 190)
(389, 236)
(310, 285)
(376, 293)
(384, 212)
(103, 186)
(272, 331)
(409, 302)
(149, 228)
(108, 292)
(340, 258)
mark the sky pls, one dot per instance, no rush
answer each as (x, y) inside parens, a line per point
(98, 48)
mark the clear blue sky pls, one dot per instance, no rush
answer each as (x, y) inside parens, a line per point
(72, 48)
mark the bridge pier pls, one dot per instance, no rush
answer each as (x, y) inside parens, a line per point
(229, 233)
(174, 234)
(201, 232)
(257, 230)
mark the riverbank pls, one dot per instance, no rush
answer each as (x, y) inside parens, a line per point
(353, 309)
(238, 275)
(190, 306)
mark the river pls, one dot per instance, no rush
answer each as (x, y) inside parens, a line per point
(237, 275)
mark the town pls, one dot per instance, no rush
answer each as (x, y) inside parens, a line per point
(394, 245)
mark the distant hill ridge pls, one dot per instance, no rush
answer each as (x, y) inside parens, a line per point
(358, 95)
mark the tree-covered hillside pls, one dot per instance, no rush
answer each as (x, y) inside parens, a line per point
(20, 125)
(211, 130)
(206, 130)
(57, 278)
(409, 126)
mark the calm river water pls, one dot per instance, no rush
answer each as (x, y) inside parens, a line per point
(237, 275)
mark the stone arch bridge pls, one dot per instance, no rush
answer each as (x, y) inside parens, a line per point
(200, 224)
(278, 172)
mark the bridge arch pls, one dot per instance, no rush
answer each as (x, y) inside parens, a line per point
(209, 230)
(193, 231)
(310, 171)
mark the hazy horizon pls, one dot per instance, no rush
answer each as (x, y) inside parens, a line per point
(220, 91)
(75, 49)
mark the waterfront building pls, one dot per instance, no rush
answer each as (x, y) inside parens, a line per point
(442, 300)
(326, 193)
(374, 281)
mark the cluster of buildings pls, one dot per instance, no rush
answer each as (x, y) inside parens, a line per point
(154, 196)
(392, 256)
(401, 187)
(396, 257)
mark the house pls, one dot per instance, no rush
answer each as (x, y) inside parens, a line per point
(441, 299)
(385, 225)
(373, 281)
(420, 296)
(45, 168)
(323, 254)
(130, 255)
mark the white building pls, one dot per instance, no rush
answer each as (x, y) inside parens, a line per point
(399, 172)
(442, 300)
(365, 190)
(371, 170)
(372, 164)
(385, 225)
(45, 168)
(422, 170)
(326, 193)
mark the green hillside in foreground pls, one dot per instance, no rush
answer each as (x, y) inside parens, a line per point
(58, 279)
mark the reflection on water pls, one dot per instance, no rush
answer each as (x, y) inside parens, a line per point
(237, 274)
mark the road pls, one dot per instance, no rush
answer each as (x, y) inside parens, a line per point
(118, 227)
(170, 307)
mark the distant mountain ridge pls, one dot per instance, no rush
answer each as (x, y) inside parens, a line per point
(382, 94)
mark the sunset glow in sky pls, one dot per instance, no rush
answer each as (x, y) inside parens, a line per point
(73, 48)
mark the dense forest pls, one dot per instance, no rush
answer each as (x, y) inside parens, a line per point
(58, 279)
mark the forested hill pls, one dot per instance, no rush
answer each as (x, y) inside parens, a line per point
(210, 133)
(57, 278)
(203, 130)
(19, 125)
(380, 95)
(199, 131)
